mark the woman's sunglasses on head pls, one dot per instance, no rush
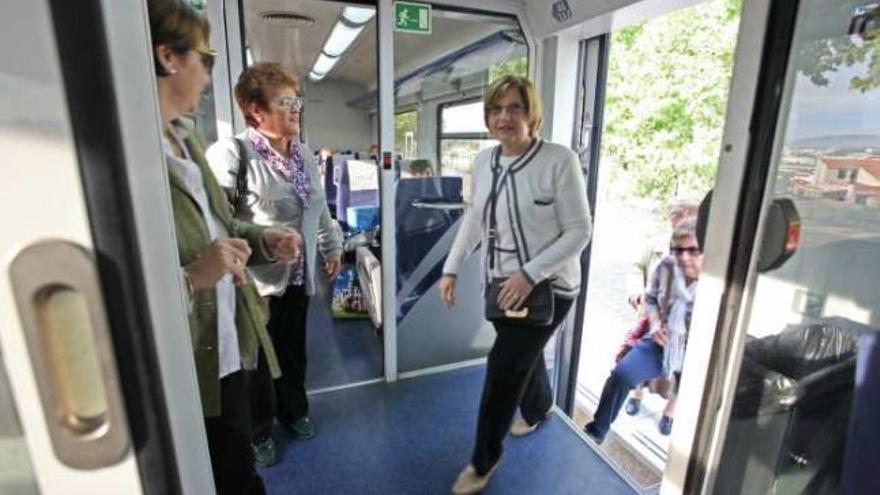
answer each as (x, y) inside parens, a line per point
(207, 55)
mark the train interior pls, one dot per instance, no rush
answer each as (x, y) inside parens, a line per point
(394, 379)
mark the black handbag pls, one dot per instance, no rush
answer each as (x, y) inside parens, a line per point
(538, 308)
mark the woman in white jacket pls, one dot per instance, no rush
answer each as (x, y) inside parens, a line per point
(281, 187)
(542, 225)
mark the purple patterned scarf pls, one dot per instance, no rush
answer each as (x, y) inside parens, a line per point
(292, 169)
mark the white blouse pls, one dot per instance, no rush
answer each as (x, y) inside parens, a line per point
(227, 335)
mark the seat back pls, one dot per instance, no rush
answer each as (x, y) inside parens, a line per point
(358, 185)
(419, 226)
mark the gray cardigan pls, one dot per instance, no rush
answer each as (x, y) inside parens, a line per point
(543, 220)
(272, 201)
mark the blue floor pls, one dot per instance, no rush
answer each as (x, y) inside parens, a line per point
(413, 437)
(340, 351)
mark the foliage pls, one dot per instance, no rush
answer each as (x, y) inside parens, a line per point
(405, 123)
(516, 66)
(822, 56)
(666, 97)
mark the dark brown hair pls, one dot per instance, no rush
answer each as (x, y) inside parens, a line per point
(258, 83)
(175, 24)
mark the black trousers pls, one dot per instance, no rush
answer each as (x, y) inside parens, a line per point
(515, 375)
(229, 440)
(288, 315)
(262, 395)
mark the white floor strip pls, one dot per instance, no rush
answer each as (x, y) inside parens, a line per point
(442, 368)
(346, 386)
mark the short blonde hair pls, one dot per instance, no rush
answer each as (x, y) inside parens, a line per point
(681, 210)
(687, 228)
(527, 92)
(258, 84)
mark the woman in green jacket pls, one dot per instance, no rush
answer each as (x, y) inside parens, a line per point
(227, 317)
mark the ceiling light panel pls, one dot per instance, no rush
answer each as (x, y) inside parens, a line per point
(324, 64)
(340, 39)
(358, 15)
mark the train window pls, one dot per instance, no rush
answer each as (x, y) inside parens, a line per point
(797, 393)
(462, 135)
(406, 128)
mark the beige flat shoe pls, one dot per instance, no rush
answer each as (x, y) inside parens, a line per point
(469, 482)
(520, 428)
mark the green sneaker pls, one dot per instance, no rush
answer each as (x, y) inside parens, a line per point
(302, 427)
(264, 453)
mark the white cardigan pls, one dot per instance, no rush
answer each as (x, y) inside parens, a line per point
(275, 203)
(543, 219)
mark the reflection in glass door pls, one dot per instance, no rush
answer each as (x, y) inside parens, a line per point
(799, 421)
(331, 47)
(16, 473)
(439, 79)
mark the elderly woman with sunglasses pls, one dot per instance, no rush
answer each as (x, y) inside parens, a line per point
(281, 186)
(226, 314)
(669, 302)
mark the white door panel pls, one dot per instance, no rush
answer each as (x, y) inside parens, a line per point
(43, 199)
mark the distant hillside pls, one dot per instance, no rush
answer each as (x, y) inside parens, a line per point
(846, 141)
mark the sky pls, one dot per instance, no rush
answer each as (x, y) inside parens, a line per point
(834, 109)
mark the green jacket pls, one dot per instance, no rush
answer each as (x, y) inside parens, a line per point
(251, 312)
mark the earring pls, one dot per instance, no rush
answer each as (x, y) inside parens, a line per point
(172, 70)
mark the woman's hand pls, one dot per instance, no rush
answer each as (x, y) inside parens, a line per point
(514, 291)
(660, 335)
(636, 300)
(221, 257)
(447, 290)
(332, 265)
(283, 243)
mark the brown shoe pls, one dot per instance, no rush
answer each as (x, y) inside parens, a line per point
(469, 482)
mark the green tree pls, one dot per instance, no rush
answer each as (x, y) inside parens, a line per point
(405, 123)
(517, 66)
(823, 56)
(668, 80)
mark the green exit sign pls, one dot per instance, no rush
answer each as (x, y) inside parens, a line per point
(412, 17)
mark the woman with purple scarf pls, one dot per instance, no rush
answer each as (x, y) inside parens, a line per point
(282, 188)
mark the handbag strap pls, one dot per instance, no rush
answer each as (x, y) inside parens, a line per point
(493, 222)
(498, 178)
(239, 194)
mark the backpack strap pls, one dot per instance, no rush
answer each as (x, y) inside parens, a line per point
(239, 194)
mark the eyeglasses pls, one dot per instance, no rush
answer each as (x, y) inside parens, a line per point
(207, 54)
(291, 104)
(515, 110)
(691, 250)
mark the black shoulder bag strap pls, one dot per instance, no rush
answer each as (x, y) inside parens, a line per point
(539, 306)
(239, 194)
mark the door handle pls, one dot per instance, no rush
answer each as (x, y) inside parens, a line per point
(58, 295)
